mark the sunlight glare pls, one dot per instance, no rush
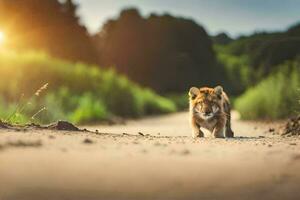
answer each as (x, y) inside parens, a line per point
(2, 37)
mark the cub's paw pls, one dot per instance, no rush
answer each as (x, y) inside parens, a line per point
(218, 133)
(198, 135)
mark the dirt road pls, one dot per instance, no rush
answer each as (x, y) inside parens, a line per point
(160, 162)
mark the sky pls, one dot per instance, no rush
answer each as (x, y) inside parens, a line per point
(235, 17)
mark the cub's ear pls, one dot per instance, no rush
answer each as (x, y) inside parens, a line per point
(193, 93)
(218, 90)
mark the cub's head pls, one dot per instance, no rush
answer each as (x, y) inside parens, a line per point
(206, 102)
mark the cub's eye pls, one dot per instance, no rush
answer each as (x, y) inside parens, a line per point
(193, 97)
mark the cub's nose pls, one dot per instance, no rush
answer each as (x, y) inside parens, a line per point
(207, 112)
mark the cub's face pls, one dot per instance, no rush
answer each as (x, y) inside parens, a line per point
(206, 102)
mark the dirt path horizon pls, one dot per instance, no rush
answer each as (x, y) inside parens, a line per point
(151, 158)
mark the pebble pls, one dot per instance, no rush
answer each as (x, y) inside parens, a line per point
(271, 129)
(185, 152)
(140, 133)
(51, 137)
(88, 141)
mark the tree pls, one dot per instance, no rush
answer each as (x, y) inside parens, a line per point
(166, 53)
(222, 39)
(47, 25)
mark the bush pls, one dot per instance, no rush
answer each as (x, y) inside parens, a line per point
(77, 92)
(275, 97)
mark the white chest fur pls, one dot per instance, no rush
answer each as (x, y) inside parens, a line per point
(208, 124)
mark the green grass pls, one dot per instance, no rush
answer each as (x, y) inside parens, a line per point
(273, 98)
(77, 92)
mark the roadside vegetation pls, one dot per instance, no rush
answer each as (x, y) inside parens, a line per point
(74, 91)
(263, 71)
(275, 97)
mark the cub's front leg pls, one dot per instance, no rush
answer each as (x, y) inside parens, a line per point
(196, 132)
(219, 130)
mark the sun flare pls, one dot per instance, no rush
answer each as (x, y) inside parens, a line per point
(2, 37)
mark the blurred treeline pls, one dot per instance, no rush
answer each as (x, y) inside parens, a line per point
(267, 67)
(250, 59)
(165, 53)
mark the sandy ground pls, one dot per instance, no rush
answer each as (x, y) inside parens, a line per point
(162, 162)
